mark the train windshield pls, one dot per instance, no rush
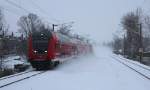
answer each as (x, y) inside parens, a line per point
(40, 41)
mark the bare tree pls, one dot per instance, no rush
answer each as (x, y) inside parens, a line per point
(1, 21)
(3, 32)
(147, 26)
(3, 26)
(146, 33)
(117, 44)
(66, 28)
(29, 24)
(131, 23)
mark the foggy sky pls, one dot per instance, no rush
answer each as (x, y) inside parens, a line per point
(97, 19)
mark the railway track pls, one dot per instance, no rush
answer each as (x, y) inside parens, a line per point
(135, 64)
(132, 68)
(14, 75)
(17, 78)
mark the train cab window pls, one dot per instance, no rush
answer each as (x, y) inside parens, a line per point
(40, 42)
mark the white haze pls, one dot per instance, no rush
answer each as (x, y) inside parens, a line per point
(97, 19)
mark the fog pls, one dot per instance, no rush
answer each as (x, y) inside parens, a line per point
(97, 19)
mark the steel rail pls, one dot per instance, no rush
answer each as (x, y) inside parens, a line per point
(131, 68)
(13, 82)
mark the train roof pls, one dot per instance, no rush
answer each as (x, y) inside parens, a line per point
(66, 39)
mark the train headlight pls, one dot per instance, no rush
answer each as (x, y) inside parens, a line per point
(45, 51)
(35, 51)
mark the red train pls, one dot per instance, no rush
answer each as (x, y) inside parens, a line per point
(47, 49)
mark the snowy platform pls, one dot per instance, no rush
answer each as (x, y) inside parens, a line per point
(95, 72)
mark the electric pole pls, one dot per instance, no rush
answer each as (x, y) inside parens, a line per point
(141, 43)
(124, 45)
(53, 25)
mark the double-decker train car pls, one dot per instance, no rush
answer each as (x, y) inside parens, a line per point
(46, 49)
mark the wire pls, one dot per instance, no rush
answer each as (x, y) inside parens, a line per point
(16, 5)
(42, 10)
(9, 10)
(27, 11)
(37, 7)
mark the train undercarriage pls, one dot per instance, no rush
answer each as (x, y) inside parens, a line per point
(44, 65)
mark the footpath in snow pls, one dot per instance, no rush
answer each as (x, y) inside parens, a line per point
(94, 72)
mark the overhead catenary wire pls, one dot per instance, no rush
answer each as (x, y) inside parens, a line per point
(8, 10)
(48, 15)
(27, 11)
(42, 10)
(18, 6)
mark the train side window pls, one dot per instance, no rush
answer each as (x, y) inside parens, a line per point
(58, 46)
(73, 47)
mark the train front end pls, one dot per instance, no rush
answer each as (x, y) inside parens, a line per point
(41, 49)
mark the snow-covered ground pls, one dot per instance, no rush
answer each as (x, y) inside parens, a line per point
(12, 79)
(135, 65)
(92, 72)
(12, 60)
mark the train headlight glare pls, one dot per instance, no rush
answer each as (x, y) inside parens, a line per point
(45, 51)
(35, 51)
